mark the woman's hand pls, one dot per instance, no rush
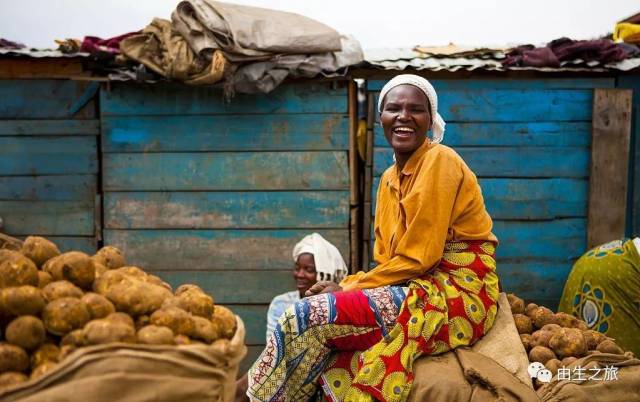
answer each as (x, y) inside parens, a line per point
(323, 287)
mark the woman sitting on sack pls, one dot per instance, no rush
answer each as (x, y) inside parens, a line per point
(435, 287)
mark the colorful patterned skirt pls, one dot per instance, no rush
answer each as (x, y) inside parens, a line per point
(360, 345)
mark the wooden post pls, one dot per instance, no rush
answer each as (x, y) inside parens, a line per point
(368, 183)
(354, 196)
(611, 131)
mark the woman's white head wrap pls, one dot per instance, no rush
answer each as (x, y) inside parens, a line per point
(437, 123)
(330, 265)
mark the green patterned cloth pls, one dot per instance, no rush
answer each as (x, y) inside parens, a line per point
(603, 289)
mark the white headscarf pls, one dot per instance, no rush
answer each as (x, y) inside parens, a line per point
(437, 123)
(330, 265)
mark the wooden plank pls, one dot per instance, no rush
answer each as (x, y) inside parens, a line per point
(88, 245)
(226, 171)
(526, 134)
(50, 127)
(174, 99)
(633, 210)
(48, 155)
(55, 188)
(255, 321)
(253, 352)
(535, 281)
(529, 199)
(609, 165)
(505, 105)
(216, 249)
(43, 99)
(502, 83)
(234, 287)
(47, 217)
(224, 210)
(16, 68)
(301, 132)
(511, 162)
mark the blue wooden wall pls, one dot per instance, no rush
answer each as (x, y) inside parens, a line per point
(48, 161)
(198, 190)
(633, 200)
(528, 141)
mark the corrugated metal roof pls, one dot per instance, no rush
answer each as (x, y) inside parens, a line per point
(41, 53)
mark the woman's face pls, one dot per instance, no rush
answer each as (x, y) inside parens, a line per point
(405, 118)
(304, 272)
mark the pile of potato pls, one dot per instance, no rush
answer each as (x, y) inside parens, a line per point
(556, 339)
(53, 303)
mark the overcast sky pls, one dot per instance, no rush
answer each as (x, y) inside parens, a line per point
(377, 24)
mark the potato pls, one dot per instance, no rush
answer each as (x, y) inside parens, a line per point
(110, 257)
(106, 331)
(609, 346)
(74, 266)
(204, 330)
(526, 341)
(142, 321)
(543, 316)
(180, 322)
(19, 271)
(73, 338)
(44, 279)
(155, 335)
(551, 327)
(568, 342)
(568, 360)
(131, 291)
(192, 300)
(39, 250)
(100, 269)
(21, 300)
(523, 323)
(182, 340)
(98, 305)
(26, 331)
(593, 338)
(553, 365)
(59, 289)
(540, 338)
(46, 352)
(565, 320)
(42, 369)
(188, 287)
(121, 317)
(530, 310)
(13, 358)
(516, 303)
(11, 378)
(63, 315)
(225, 321)
(541, 354)
(65, 351)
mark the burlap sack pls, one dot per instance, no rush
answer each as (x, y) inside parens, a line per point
(140, 373)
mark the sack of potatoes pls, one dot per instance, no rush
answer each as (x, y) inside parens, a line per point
(53, 303)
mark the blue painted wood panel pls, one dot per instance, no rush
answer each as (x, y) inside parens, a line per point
(216, 249)
(255, 321)
(525, 134)
(73, 218)
(44, 99)
(507, 105)
(511, 161)
(222, 210)
(237, 132)
(49, 127)
(538, 282)
(226, 171)
(48, 155)
(506, 83)
(633, 199)
(55, 188)
(305, 97)
(88, 245)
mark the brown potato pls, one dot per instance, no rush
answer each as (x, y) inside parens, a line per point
(74, 266)
(59, 289)
(551, 327)
(553, 365)
(609, 346)
(98, 305)
(593, 338)
(63, 315)
(192, 300)
(7, 255)
(13, 358)
(225, 321)
(11, 378)
(106, 331)
(39, 250)
(100, 269)
(26, 331)
(526, 341)
(19, 271)
(21, 300)
(44, 279)
(142, 321)
(65, 351)
(523, 323)
(73, 338)
(110, 257)
(46, 352)
(43, 369)
(540, 338)
(541, 354)
(568, 360)
(204, 330)
(156, 335)
(565, 320)
(543, 316)
(516, 303)
(121, 317)
(180, 322)
(182, 340)
(568, 342)
(530, 310)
